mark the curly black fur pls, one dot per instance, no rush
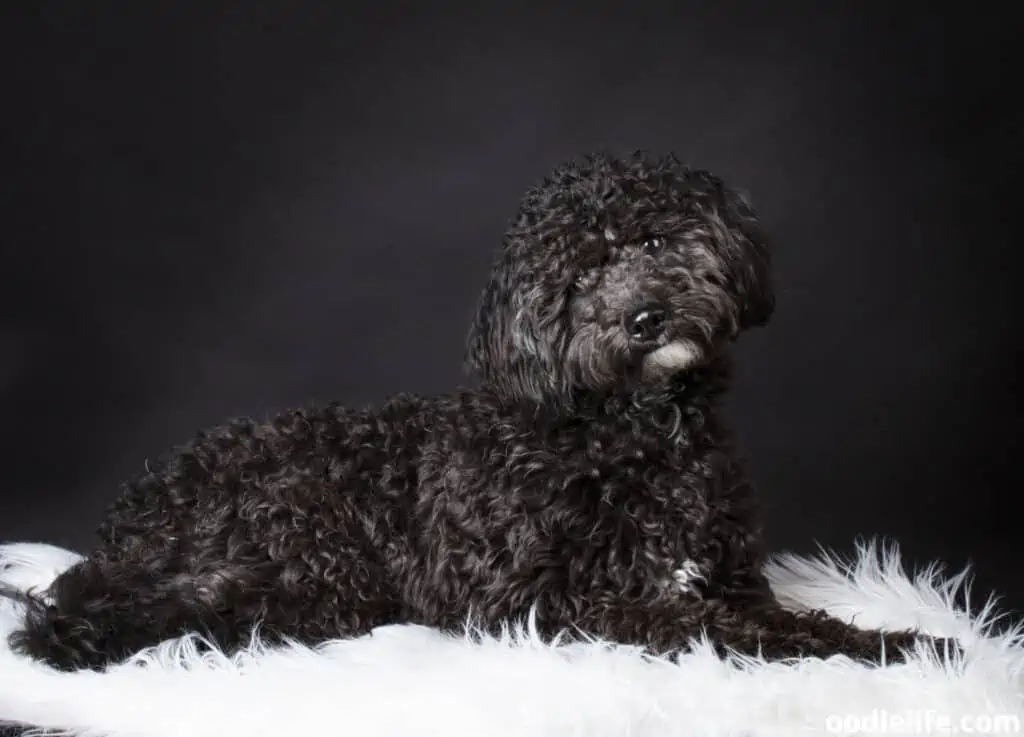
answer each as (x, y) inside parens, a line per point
(589, 477)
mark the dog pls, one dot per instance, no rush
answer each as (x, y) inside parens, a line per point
(588, 483)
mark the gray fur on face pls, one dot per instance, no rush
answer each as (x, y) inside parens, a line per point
(576, 263)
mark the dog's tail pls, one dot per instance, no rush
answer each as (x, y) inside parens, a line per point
(25, 604)
(63, 625)
(15, 594)
(31, 606)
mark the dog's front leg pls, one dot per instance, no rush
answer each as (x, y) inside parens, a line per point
(666, 626)
(777, 633)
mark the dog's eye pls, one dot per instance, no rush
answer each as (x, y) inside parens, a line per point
(653, 244)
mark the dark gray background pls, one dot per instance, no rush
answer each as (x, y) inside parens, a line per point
(234, 211)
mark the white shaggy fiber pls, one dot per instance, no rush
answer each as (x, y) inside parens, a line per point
(404, 681)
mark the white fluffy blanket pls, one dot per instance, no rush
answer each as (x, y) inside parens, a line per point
(405, 681)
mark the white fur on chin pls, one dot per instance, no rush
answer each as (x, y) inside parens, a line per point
(406, 680)
(676, 356)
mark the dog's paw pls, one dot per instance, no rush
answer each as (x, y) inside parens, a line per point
(899, 645)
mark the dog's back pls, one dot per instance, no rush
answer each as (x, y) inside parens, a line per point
(292, 524)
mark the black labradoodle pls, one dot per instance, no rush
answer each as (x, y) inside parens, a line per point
(589, 477)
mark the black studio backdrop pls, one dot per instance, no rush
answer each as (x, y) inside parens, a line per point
(219, 209)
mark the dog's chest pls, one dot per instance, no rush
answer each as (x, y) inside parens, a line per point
(638, 510)
(654, 504)
(674, 497)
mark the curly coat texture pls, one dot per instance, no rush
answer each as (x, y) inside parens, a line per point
(588, 480)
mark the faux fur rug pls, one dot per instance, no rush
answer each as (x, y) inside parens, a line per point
(405, 681)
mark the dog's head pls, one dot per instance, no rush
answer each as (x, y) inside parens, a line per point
(615, 273)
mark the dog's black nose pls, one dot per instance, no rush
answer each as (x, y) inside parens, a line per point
(645, 324)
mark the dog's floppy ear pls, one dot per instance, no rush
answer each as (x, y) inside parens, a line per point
(747, 258)
(484, 330)
(515, 337)
(491, 348)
